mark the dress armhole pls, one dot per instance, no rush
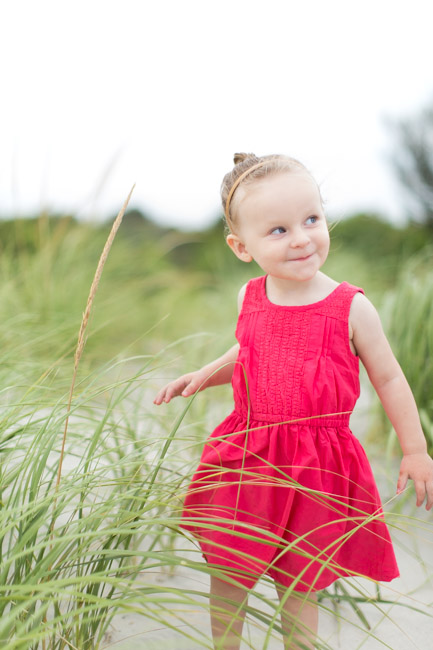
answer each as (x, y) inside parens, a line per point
(349, 326)
(241, 297)
(250, 296)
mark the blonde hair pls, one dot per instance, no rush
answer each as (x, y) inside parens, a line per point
(240, 175)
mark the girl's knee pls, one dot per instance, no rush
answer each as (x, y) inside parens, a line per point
(219, 587)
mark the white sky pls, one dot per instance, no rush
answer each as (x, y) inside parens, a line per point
(97, 95)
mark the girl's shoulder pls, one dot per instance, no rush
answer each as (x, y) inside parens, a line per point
(362, 309)
(328, 286)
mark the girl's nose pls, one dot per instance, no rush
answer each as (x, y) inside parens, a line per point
(299, 239)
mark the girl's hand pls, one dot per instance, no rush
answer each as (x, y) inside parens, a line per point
(215, 373)
(185, 385)
(418, 467)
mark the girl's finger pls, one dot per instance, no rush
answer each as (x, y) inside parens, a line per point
(402, 482)
(171, 392)
(429, 486)
(420, 492)
(190, 388)
(166, 393)
(159, 398)
(177, 387)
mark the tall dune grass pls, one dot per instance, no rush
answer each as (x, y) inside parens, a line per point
(106, 540)
(116, 516)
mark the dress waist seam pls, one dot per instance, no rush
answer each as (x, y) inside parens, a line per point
(319, 420)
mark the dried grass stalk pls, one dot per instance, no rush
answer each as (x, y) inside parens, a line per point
(81, 335)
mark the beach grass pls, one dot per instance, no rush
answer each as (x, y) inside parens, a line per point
(101, 538)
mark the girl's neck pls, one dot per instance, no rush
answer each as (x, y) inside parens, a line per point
(296, 293)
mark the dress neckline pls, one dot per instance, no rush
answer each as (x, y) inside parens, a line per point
(310, 305)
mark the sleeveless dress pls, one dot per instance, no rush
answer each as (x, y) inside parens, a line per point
(283, 487)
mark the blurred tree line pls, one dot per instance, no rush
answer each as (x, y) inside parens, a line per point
(412, 161)
(369, 235)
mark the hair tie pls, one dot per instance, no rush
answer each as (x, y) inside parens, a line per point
(239, 180)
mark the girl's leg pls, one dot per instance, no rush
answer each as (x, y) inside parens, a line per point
(227, 619)
(299, 619)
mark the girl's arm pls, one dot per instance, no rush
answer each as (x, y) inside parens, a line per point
(396, 396)
(217, 372)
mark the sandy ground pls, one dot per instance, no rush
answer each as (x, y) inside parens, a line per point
(394, 626)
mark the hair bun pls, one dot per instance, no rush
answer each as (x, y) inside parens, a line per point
(240, 157)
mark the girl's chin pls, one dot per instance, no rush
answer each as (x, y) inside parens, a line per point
(293, 277)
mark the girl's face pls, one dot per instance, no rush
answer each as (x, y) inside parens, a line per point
(281, 225)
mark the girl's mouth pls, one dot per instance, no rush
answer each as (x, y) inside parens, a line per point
(301, 259)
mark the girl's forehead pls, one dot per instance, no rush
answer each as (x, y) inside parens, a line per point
(297, 188)
(282, 181)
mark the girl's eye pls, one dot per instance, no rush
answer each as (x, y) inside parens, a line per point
(278, 231)
(312, 219)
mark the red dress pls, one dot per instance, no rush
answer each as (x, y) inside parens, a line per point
(283, 487)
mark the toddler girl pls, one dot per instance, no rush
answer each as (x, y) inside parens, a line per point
(283, 487)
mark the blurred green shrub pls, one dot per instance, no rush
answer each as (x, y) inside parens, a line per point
(159, 284)
(379, 240)
(408, 319)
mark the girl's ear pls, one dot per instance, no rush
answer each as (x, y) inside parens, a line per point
(238, 248)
